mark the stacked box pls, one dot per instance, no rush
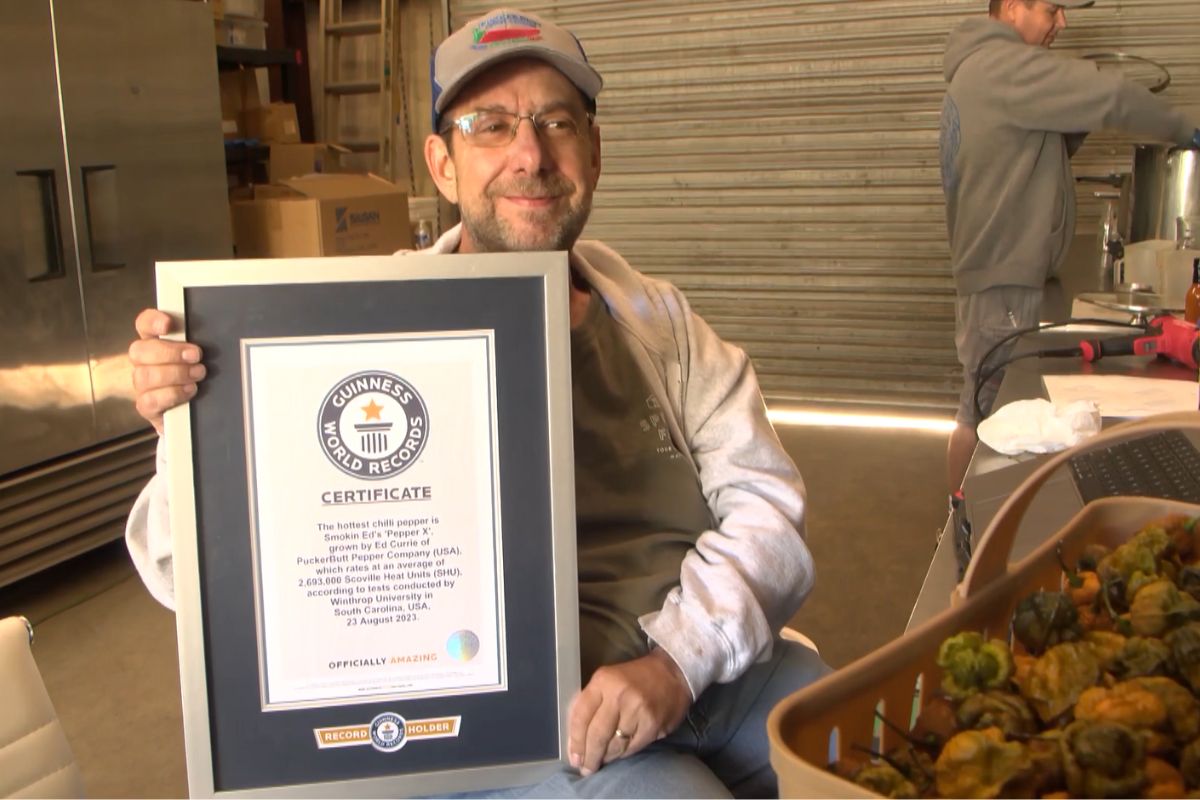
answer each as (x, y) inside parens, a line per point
(322, 215)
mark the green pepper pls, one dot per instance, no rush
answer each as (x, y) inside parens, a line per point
(972, 665)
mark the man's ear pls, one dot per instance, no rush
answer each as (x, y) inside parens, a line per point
(441, 167)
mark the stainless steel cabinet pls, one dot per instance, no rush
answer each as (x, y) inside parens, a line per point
(45, 388)
(111, 158)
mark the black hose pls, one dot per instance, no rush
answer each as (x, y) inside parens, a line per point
(982, 376)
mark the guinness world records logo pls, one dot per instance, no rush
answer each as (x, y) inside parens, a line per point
(388, 732)
(373, 425)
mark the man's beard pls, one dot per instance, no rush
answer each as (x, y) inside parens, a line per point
(491, 234)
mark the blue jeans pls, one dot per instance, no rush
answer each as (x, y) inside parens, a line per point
(720, 749)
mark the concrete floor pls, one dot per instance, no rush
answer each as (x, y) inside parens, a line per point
(108, 656)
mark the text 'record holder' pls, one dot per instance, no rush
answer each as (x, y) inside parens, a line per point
(372, 507)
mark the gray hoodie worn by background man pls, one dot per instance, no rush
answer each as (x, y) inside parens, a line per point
(1014, 114)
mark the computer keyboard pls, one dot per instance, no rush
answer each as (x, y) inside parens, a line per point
(1164, 464)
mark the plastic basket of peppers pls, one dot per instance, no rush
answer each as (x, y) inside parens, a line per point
(1074, 672)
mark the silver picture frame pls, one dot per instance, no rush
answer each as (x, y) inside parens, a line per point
(504, 734)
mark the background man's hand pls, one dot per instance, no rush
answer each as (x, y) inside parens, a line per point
(165, 373)
(645, 699)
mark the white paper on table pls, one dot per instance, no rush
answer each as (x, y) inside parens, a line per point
(1123, 395)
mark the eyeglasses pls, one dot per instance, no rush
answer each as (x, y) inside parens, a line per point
(498, 128)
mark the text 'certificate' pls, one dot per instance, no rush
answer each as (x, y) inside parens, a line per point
(376, 541)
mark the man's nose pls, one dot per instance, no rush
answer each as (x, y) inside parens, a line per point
(527, 151)
(1061, 18)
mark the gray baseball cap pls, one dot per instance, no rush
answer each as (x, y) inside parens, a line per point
(497, 36)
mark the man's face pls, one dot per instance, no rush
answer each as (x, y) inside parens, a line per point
(1038, 22)
(535, 193)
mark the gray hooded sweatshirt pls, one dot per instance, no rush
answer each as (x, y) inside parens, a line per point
(1011, 113)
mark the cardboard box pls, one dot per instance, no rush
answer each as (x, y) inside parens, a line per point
(274, 122)
(294, 160)
(322, 215)
(239, 92)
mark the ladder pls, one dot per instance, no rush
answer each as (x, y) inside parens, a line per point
(358, 58)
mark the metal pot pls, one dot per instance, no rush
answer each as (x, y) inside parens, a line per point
(1166, 186)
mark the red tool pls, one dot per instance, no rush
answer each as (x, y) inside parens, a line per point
(1165, 336)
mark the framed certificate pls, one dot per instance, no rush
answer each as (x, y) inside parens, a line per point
(372, 506)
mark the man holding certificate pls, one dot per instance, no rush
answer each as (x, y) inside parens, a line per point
(690, 515)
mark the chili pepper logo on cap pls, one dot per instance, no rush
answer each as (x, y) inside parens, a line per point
(505, 27)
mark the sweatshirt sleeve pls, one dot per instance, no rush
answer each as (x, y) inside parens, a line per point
(745, 578)
(1047, 92)
(148, 534)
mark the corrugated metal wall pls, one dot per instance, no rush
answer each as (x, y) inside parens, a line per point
(778, 161)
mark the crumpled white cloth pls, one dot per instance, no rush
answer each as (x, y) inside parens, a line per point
(1039, 426)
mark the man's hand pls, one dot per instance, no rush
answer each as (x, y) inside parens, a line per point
(164, 373)
(645, 699)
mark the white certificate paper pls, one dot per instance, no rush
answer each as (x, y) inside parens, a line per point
(375, 517)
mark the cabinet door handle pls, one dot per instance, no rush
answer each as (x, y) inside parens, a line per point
(102, 211)
(40, 226)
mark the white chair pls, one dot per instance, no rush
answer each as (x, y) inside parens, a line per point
(35, 757)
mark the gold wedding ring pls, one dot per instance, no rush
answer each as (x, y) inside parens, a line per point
(622, 735)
